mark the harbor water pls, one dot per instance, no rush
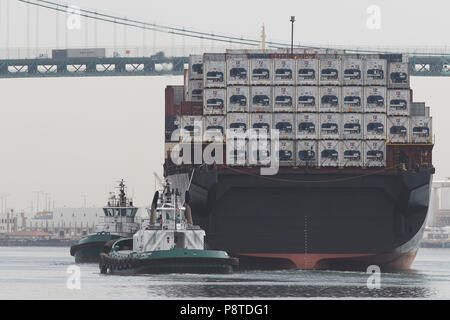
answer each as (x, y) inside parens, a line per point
(50, 273)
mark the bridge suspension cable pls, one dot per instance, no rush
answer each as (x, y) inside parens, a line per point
(142, 25)
(99, 16)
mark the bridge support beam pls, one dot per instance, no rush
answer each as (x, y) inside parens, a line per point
(85, 67)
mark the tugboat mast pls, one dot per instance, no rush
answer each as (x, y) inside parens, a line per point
(122, 196)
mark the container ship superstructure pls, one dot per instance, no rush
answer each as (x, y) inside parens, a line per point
(354, 150)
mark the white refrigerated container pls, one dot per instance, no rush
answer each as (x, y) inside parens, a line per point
(307, 126)
(236, 153)
(398, 129)
(421, 129)
(237, 122)
(214, 70)
(260, 123)
(375, 126)
(214, 125)
(238, 98)
(398, 102)
(352, 71)
(306, 153)
(196, 67)
(374, 153)
(329, 126)
(214, 101)
(261, 69)
(284, 71)
(352, 99)
(398, 75)
(330, 71)
(307, 99)
(261, 99)
(259, 152)
(284, 99)
(352, 126)
(191, 125)
(352, 153)
(375, 99)
(375, 72)
(329, 153)
(285, 124)
(307, 71)
(330, 99)
(238, 69)
(195, 90)
(286, 153)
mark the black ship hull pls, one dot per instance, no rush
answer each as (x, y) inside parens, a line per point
(311, 219)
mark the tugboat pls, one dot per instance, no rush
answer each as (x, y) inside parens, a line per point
(118, 222)
(169, 243)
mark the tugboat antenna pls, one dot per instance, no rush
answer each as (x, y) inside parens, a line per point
(122, 196)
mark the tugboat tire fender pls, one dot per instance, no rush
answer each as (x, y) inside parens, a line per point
(108, 262)
(103, 270)
(103, 265)
(113, 264)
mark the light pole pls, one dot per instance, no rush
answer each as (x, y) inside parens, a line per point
(292, 34)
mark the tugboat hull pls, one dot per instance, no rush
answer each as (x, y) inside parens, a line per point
(173, 261)
(88, 250)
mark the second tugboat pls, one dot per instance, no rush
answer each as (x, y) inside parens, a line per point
(169, 244)
(118, 222)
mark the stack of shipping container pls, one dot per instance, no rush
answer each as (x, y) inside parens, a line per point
(331, 110)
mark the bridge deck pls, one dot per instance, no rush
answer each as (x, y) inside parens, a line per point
(89, 67)
(425, 66)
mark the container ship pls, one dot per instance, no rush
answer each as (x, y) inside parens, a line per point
(354, 153)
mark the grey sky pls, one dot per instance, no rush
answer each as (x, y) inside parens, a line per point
(78, 136)
(403, 22)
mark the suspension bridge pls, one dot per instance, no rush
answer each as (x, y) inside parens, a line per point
(40, 62)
